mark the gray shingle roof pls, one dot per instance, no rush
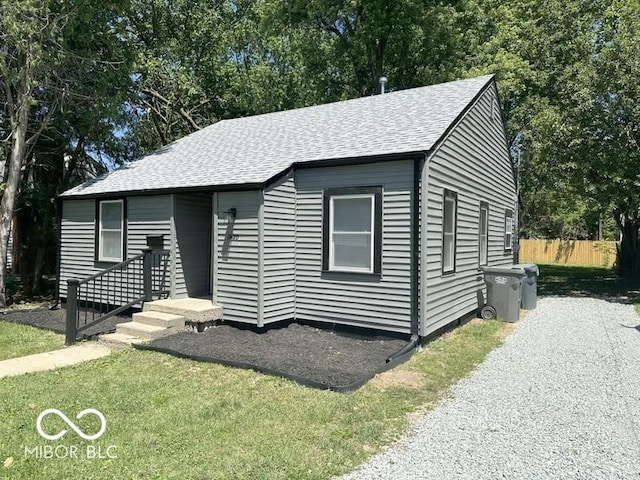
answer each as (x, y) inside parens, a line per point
(254, 149)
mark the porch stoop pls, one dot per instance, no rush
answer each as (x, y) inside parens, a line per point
(194, 310)
(163, 317)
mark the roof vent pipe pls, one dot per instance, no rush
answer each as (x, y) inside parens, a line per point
(383, 83)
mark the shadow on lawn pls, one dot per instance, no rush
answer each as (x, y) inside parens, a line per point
(569, 280)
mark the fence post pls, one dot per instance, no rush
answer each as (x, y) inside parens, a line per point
(146, 274)
(71, 331)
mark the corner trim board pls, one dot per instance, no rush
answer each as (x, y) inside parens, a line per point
(214, 248)
(260, 299)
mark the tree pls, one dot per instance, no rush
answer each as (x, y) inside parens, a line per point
(355, 43)
(540, 56)
(27, 30)
(568, 77)
(55, 75)
(605, 125)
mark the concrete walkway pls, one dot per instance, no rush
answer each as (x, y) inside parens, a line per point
(52, 360)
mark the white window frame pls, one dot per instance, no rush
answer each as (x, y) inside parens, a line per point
(508, 230)
(339, 268)
(101, 257)
(483, 241)
(449, 196)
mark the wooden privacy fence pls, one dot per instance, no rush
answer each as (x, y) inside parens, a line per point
(568, 252)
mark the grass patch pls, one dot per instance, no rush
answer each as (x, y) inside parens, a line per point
(570, 280)
(19, 340)
(176, 418)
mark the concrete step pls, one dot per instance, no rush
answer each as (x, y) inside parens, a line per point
(141, 330)
(192, 309)
(118, 340)
(159, 319)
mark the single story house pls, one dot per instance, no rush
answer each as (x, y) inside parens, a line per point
(376, 212)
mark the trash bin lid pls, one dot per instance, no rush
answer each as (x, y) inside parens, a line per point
(513, 271)
(528, 267)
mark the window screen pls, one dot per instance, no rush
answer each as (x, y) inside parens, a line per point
(352, 232)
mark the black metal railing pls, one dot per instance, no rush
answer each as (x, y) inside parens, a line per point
(114, 290)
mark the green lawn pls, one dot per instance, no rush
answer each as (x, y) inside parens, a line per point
(585, 281)
(176, 418)
(19, 340)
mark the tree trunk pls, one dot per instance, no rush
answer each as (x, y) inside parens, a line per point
(629, 248)
(18, 149)
(36, 280)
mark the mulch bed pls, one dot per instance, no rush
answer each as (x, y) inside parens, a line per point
(55, 320)
(314, 357)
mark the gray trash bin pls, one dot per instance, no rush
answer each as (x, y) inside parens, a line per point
(504, 286)
(529, 285)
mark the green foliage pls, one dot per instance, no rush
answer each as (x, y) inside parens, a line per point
(126, 76)
(65, 68)
(567, 74)
(412, 43)
(590, 143)
(198, 62)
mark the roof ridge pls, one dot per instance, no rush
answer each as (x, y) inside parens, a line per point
(358, 99)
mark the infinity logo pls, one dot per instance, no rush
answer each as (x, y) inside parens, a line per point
(75, 428)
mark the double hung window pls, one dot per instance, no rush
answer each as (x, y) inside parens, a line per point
(352, 230)
(449, 227)
(111, 231)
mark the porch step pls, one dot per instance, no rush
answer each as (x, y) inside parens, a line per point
(142, 330)
(118, 340)
(159, 319)
(192, 309)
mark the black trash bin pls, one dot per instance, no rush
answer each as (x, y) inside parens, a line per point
(529, 285)
(504, 287)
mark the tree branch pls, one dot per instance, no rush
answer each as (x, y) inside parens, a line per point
(44, 124)
(155, 94)
(7, 91)
(156, 111)
(184, 114)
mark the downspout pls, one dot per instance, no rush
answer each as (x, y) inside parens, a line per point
(56, 304)
(414, 341)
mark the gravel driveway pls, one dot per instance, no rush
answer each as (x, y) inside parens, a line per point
(560, 399)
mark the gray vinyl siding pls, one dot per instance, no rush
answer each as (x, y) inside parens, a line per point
(192, 224)
(149, 215)
(77, 238)
(473, 162)
(237, 246)
(279, 251)
(369, 301)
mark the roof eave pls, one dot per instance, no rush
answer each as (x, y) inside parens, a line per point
(332, 162)
(164, 191)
